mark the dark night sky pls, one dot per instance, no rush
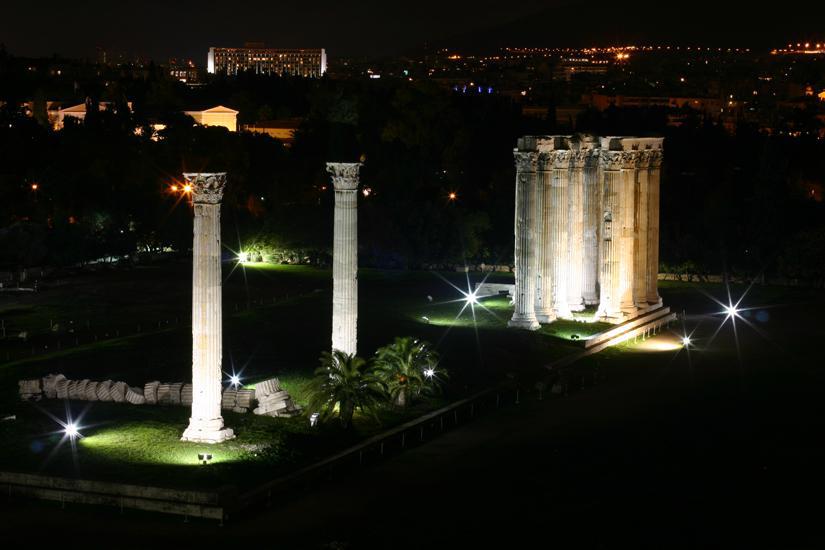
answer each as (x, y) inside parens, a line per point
(186, 28)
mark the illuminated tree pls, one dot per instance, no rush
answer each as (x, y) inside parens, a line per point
(407, 368)
(342, 384)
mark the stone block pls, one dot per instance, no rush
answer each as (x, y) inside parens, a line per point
(118, 392)
(103, 389)
(245, 398)
(30, 389)
(135, 396)
(150, 392)
(164, 394)
(91, 390)
(267, 387)
(228, 399)
(174, 393)
(80, 389)
(186, 395)
(49, 383)
(62, 389)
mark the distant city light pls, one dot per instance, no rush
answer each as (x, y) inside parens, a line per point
(34, 187)
(187, 188)
(174, 188)
(452, 195)
(366, 191)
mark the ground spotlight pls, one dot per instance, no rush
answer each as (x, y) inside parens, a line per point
(71, 430)
(235, 380)
(471, 298)
(313, 419)
(429, 372)
(204, 458)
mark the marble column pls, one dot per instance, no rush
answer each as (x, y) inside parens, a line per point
(559, 246)
(591, 225)
(640, 233)
(575, 236)
(524, 315)
(654, 175)
(345, 257)
(544, 227)
(206, 422)
(627, 209)
(609, 244)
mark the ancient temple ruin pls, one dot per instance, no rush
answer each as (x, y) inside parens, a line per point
(587, 227)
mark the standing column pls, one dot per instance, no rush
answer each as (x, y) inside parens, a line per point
(654, 175)
(609, 251)
(559, 251)
(544, 225)
(524, 315)
(206, 422)
(640, 232)
(627, 206)
(575, 235)
(345, 257)
(591, 222)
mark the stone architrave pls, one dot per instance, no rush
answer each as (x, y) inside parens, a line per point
(206, 423)
(524, 315)
(654, 175)
(345, 177)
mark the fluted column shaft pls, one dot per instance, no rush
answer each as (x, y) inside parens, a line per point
(206, 422)
(524, 315)
(575, 235)
(591, 226)
(544, 226)
(559, 245)
(627, 206)
(654, 175)
(345, 177)
(609, 249)
(640, 268)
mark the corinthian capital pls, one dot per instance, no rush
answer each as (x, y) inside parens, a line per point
(345, 175)
(561, 159)
(611, 160)
(656, 158)
(526, 161)
(207, 188)
(579, 158)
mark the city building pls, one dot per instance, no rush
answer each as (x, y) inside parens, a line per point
(78, 112)
(216, 116)
(306, 62)
(184, 71)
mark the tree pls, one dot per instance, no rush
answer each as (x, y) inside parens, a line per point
(345, 382)
(407, 368)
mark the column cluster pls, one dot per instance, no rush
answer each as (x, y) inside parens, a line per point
(586, 227)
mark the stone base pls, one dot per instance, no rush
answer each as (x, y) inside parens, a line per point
(206, 431)
(577, 307)
(544, 318)
(525, 324)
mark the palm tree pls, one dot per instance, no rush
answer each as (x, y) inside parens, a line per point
(345, 381)
(408, 369)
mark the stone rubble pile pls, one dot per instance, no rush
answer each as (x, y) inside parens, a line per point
(274, 401)
(270, 398)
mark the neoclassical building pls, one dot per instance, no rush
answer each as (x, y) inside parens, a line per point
(586, 227)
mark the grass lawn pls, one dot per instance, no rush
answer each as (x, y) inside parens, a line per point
(276, 323)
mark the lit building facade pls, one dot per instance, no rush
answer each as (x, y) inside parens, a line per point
(587, 228)
(305, 62)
